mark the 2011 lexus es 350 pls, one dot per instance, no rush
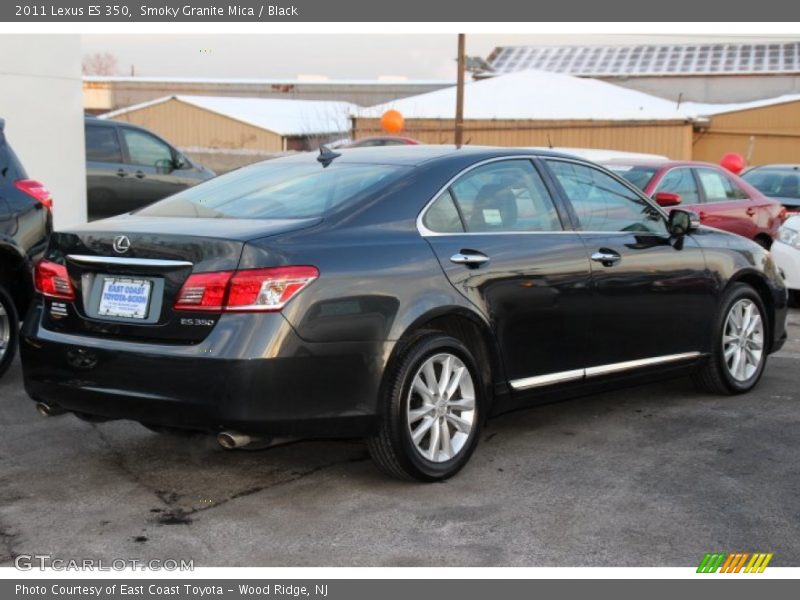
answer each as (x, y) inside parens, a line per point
(400, 294)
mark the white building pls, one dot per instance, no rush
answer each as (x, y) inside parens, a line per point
(42, 104)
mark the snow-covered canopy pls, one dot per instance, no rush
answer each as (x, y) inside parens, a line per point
(537, 95)
(284, 117)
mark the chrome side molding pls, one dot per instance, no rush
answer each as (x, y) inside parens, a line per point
(127, 262)
(577, 374)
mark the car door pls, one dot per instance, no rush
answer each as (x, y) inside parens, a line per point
(652, 296)
(108, 184)
(500, 238)
(152, 163)
(726, 206)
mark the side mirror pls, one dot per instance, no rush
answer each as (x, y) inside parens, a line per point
(178, 162)
(666, 199)
(682, 222)
(164, 165)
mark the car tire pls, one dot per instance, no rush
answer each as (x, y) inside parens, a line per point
(737, 358)
(764, 241)
(9, 330)
(431, 410)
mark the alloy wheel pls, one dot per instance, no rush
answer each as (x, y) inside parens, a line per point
(441, 407)
(743, 340)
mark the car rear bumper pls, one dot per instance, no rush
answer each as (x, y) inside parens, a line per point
(252, 373)
(787, 259)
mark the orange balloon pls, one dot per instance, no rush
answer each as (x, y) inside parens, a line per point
(392, 121)
(734, 162)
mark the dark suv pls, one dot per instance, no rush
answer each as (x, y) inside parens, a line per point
(128, 167)
(25, 224)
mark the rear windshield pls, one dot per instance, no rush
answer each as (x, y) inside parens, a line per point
(277, 191)
(777, 183)
(638, 176)
(10, 167)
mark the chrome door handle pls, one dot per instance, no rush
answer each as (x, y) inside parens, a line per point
(608, 259)
(471, 259)
(140, 174)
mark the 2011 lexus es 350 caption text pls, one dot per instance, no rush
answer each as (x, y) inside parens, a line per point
(400, 294)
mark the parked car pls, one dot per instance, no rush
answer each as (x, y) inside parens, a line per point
(387, 140)
(128, 167)
(401, 296)
(786, 252)
(721, 199)
(25, 223)
(781, 182)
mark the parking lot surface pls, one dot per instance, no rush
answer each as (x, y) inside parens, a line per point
(649, 476)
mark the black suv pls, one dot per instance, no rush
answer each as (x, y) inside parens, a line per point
(128, 167)
(25, 225)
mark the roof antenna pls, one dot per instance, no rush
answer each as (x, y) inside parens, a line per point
(326, 155)
(680, 99)
(549, 141)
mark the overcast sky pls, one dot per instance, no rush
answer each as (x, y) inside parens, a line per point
(356, 56)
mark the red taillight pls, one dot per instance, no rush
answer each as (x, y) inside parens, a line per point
(35, 190)
(52, 280)
(242, 291)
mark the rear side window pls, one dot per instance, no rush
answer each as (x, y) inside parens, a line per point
(502, 196)
(602, 203)
(638, 176)
(277, 190)
(102, 144)
(681, 182)
(10, 167)
(718, 187)
(442, 216)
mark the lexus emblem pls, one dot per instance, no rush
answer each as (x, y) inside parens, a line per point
(121, 244)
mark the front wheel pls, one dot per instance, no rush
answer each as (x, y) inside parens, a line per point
(739, 351)
(9, 330)
(431, 411)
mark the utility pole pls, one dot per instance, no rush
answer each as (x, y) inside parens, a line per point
(459, 132)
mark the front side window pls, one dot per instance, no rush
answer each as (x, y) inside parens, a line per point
(640, 176)
(602, 203)
(146, 150)
(102, 144)
(277, 190)
(681, 182)
(718, 187)
(504, 196)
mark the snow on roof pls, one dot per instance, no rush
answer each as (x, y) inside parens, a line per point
(284, 117)
(537, 95)
(384, 81)
(704, 109)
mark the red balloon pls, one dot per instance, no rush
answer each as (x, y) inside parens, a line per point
(734, 162)
(392, 121)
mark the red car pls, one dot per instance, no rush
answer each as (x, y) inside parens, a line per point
(388, 140)
(722, 199)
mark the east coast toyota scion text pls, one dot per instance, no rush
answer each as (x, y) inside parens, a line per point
(397, 294)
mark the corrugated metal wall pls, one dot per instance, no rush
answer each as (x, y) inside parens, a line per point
(672, 139)
(188, 126)
(769, 134)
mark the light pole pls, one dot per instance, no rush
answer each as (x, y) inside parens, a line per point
(459, 128)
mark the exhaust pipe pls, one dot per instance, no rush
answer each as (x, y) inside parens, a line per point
(48, 410)
(231, 440)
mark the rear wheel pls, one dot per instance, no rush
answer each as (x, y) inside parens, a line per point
(739, 351)
(431, 410)
(9, 330)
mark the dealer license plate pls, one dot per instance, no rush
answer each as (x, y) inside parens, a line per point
(125, 298)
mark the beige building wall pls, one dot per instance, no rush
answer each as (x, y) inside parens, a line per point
(672, 139)
(188, 126)
(770, 134)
